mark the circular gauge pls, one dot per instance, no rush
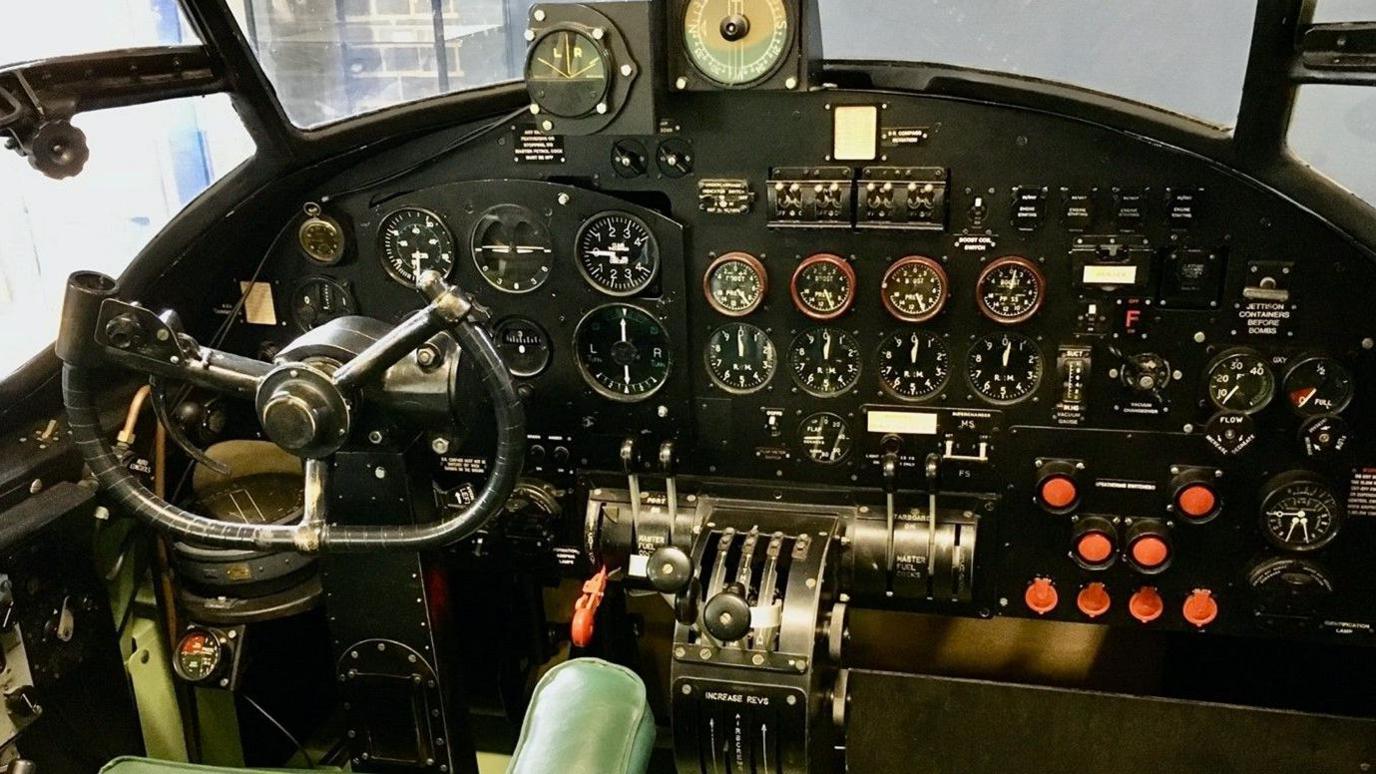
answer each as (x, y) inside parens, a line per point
(914, 289)
(735, 284)
(623, 352)
(317, 300)
(1318, 385)
(617, 253)
(823, 286)
(1240, 380)
(736, 42)
(524, 346)
(1010, 290)
(825, 361)
(321, 239)
(568, 73)
(200, 656)
(1004, 367)
(258, 498)
(914, 364)
(741, 358)
(415, 241)
(1299, 512)
(512, 249)
(825, 438)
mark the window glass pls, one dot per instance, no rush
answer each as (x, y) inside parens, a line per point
(1329, 11)
(35, 30)
(1333, 129)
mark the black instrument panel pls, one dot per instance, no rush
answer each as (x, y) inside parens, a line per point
(1030, 297)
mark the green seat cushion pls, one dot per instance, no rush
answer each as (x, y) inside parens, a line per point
(132, 765)
(587, 717)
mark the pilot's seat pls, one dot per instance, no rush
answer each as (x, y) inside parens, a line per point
(587, 716)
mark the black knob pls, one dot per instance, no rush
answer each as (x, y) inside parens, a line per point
(727, 615)
(669, 570)
(124, 332)
(686, 603)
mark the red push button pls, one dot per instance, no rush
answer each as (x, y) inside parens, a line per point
(1150, 552)
(1197, 501)
(1200, 608)
(1058, 492)
(1093, 600)
(1094, 548)
(1041, 596)
(1145, 604)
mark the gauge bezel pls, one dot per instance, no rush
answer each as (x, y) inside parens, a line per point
(1233, 352)
(859, 362)
(312, 280)
(915, 260)
(382, 243)
(598, 286)
(1010, 260)
(755, 265)
(597, 386)
(1284, 386)
(221, 653)
(790, 34)
(473, 248)
(711, 373)
(1278, 487)
(1036, 385)
(879, 366)
(607, 56)
(844, 423)
(335, 257)
(549, 344)
(813, 260)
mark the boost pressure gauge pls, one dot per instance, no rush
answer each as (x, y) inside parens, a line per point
(914, 289)
(1010, 290)
(617, 253)
(415, 241)
(736, 42)
(623, 352)
(735, 284)
(823, 286)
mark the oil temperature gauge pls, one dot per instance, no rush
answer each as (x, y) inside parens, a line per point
(317, 300)
(1240, 380)
(1299, 512)
(825, 438)
(735, 284)
(741, 358)
(1318, 385)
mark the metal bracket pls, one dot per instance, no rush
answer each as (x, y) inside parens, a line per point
(38, 99)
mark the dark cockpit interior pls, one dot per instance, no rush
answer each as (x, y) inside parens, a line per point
(702, 403)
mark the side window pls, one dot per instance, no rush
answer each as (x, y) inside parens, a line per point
(147, 163)
(1333, 129)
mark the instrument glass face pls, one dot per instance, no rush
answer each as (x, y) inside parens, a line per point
(317, 300)
(741, 358)
(199, 656)
(825, 438)
(1302, 515)
(512, 249)
(1004, 368)
(1319, 385)
(617, 253)
(914, 289)
(1240, 380)
(913, 364)
(1010, 290)
(567, 73)
(415, 241)
(736, 42)
(623, 352)
(524, 346)
(823, 286)
(735, 284)
(825, 361)
(322, 240)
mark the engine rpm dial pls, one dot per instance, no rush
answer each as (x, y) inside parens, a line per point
(617, 253)
(741, 358)
(825, 361)
(1240, 380)
(1010, 290)
(512, 249)
(567, 73)
(1299, 512)
(914, 289)
(317, 300)
(823, 286)
(825, 438)
(736, 42)
(1004, 367)
(1318, 385)
(415, 241)
(735, 284)
(913, 364)
(623, 352)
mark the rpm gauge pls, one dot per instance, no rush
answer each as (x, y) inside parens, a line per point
(914, 364)
(1299, 512)
(1240, 380)
(1005, 368)
(914, 289)
(1318, 385)
(736, 42)
(825, 438)
(623, 352)
(823, 286)
(415, 241)
(617, 253)
(1010, 290)
(825, 361)
(317, 300)
(741, 358)
(512, 249)
(735, 284)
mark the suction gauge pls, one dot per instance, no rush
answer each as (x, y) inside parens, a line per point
(736, 42)
(823, 286)
(914, 289)
(735, 284)
(415, 241)
(1010, 290)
